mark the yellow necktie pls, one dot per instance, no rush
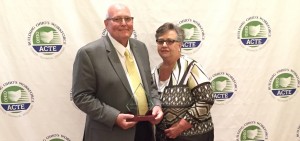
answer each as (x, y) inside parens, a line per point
(136, 84)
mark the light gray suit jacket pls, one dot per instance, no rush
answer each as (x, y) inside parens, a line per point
(101, 90)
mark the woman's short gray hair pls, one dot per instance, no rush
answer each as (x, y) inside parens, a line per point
(170, 26)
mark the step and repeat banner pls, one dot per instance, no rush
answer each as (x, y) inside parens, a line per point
(249, 49)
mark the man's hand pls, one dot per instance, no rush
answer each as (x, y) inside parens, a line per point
(122, 122)
(158, 114)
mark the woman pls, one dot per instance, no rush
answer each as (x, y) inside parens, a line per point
(185, 91)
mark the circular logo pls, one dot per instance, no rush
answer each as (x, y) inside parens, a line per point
(224, 86)
(252, 131)
(194, 35)
(254, 33)
(16, 98)
(283, 84)
(56, 137)
(46, 39)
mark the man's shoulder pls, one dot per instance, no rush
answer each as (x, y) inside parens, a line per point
(93, 47)
(137, 45)
(132, 40)
(94, 43)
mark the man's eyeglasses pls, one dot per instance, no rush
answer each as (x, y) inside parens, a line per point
(168, 41)
(120, 19)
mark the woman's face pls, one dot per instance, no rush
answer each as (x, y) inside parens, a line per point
(167, 45)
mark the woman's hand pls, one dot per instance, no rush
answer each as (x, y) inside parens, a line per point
(176, 129)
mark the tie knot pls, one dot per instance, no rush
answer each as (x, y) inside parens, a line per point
(126, 53)
(128, 56)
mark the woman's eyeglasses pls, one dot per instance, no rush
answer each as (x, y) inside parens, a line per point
(168, 41)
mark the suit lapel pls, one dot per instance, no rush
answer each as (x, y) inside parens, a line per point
(138, 58)
(116, 63)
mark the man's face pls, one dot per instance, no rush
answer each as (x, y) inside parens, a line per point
(119, 24)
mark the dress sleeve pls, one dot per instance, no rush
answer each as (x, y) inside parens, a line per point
(202, 93)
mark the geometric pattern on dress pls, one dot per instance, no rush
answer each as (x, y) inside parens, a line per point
(177, 96)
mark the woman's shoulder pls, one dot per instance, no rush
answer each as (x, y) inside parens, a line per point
(186, 59)
(192, 62)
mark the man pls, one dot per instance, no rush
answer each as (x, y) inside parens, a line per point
(102, 87)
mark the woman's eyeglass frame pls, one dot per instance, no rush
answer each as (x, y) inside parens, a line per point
(167, 41)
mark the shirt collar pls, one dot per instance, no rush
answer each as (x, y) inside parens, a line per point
(119, 47)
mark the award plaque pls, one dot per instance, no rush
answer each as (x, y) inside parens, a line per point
(133, 107)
